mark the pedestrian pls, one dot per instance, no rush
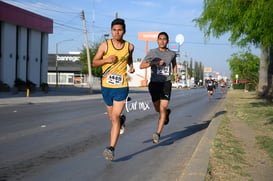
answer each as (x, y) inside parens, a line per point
(113, 55)
(210, 86)
(162, 62)
(223, 86)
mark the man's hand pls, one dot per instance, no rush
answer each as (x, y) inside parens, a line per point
(131, 70)
(176, 78)
(112, 59)
(161, 62)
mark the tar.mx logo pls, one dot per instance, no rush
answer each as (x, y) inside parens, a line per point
(133, 106)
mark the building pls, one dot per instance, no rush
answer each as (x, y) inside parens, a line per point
(23, 45)
(65, 69)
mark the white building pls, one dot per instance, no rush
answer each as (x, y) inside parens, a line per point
(23, 45)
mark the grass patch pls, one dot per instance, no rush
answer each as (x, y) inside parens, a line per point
(227, 159)
(227, 155)
(266, 143)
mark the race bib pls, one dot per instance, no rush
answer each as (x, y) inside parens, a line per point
(115, 79)
(163, 70)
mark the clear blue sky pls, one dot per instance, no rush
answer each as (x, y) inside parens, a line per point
(173, 16)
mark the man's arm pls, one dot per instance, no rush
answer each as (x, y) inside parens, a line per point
(130, 60)
(98, 61)
(175, 70)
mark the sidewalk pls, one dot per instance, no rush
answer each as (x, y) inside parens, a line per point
(196, 169)
(61, 94)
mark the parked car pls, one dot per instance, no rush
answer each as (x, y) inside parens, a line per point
(179, 85)
(193, 85)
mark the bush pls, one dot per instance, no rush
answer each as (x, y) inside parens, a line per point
(4, 87)
(20, 84)
(248, 86)
(44, 87)
(238, 86)
(23, 86)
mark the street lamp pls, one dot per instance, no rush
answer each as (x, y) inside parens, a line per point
(106, 36)
(57, 52)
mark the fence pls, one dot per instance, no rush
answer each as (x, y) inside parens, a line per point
(80, 80)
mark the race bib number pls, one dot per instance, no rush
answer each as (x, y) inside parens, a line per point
(163, 70)
(115, 79)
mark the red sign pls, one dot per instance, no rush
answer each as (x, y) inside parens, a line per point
(240, 81)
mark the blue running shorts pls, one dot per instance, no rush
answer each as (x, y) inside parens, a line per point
(114, 94)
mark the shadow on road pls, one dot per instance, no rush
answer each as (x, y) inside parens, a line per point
(169, 139)
(219, 113)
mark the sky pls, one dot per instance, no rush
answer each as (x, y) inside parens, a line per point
(172, 16)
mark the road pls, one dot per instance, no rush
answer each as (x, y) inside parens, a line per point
(65, 140)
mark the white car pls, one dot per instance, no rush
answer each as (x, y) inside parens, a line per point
(179, 84)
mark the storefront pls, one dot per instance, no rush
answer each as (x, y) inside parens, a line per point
(23, 45)
(65, 69)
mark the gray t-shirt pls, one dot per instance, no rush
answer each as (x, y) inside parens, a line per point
(160, 73)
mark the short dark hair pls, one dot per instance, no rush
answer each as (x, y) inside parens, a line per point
(163, 33)
(119, 21)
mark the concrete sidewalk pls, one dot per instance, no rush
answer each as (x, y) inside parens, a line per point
(61, 94)
(196, 169)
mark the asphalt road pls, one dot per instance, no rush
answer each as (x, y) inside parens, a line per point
(64, 140)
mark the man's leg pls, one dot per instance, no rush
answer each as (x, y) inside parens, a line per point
(114, 115)
(209, 94)
(161, 107)
(163, 115)
(157, 105)
(115, 130)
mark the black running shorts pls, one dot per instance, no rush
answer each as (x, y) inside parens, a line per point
(160, 90)
(210, 88)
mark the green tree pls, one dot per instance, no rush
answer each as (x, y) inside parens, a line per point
(198, 71)
(96, 71)
(249, 22)
(246, 66)
(190, 69)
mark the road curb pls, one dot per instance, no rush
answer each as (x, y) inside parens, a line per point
(196, 169)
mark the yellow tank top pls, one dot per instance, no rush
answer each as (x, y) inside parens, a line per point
(115, 75)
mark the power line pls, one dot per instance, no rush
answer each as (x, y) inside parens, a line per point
(199, 43)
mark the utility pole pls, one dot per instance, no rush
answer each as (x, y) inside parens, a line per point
(87, 52)
(93, 23)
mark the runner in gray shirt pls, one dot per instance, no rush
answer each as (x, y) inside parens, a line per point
(162, 62)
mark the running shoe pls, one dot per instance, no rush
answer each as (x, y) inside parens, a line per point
(156, 137)
(122, 124)
(168, 118)
(108, 153)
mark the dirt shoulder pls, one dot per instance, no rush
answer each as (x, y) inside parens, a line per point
(243, 146)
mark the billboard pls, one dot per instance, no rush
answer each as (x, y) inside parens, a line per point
(148, 36)
(207, 69)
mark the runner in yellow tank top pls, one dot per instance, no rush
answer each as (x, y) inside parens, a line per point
(115, 75)
(114, 55)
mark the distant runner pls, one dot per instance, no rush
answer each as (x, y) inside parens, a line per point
(210, 86)
(222, 85)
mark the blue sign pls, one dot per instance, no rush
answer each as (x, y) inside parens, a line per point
(174, 46)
